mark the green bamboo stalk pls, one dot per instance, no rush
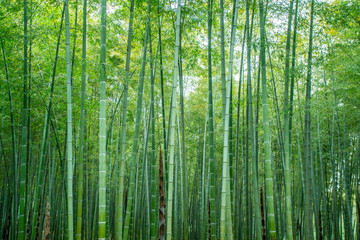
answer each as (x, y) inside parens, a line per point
(225, 218)
(183, 208)
(223, 70)
(145, 191)
(211, 131)
(169, 214)
(95, 214)
(231, 170)
(230, 195)
(119, 200)
(222, 63)
(256, 196)
(292, 76)
(246, 175)
(74, 41)
(257, 97)
(308, 204)
(288, 204)
(29, 133)
(244, 181)
(87, 179)
(82, 131)
(52, 188)
(202, 194)
(292, 80)
(177, 200)
(69, 136)
(162, 93)
(237, 205)
(356, 185)
(315, 182)
(22, 224)
(102, 127)
(267, 147)
(152, 136)
(182, 154)
(162, 199)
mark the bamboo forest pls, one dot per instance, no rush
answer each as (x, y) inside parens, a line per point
(180, 119)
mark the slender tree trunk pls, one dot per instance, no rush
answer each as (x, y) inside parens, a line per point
(161, 199)
(169, 215)
(292, 77)
(308, 204)
(162, 96)
(102, 127)
(82, 131)
(202, 217)
(153, 194)
(211, 131)
(24, 142)
(237, 198)
(252, 133)
(120, 198)
(223, 70)
(291, 101)
(69, 136)
(226, 227)
(267, 146)
(288, 203)
(184, 196)
(248, 233)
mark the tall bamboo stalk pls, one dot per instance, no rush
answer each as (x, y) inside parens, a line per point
(223, 70)
(69, 137)
(247, 178)
(288, 202)
(162, 92)
(202, 194)
(102, 127)
(161, 199)
(256, 195)
(225, 218)
(169, 205)
(308, 199)
(211, 131)
(292, 76)
(152, 177)
(24, 142)
(119, 199)
(82, 131)
(267, 145)
(237, 197)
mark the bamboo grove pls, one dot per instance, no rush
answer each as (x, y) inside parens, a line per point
(178, 119)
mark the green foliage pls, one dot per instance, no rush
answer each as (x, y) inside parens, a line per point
(332, 117)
